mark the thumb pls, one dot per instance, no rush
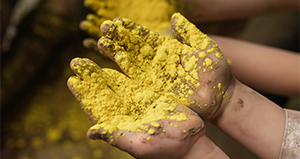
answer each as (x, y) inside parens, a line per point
(188, 33)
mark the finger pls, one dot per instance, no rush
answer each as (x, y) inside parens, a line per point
(90, 43)
(120, 36)
(84, 67)
(125, 60)
(128, 65)
(72, 81)
(188, 33)
(108, 47)
(91, 25)
(98, 132)
(146, 35)
(103, 8)
(94, 89)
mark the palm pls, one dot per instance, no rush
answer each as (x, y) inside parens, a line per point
(194, 71)
(170, 139)
(163, 76)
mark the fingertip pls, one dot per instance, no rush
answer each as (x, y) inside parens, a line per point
(106, 46)
(93, 134)
(127, 23)
(106, 27)
(71, 81)
(98, 132)
(90, 43)
(74, 62)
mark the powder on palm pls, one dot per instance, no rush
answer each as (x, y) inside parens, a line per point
(156, 82)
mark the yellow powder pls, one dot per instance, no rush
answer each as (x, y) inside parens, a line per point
(148, 138)
(155, 14)
(218, 55)
(155, 124)
(151, 131)
(202, 54)
(208, 62)
(149, 92)
(219, 86)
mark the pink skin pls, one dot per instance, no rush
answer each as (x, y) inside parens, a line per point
(198, 11)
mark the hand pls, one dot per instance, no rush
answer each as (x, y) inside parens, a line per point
(196, 74)
(161, 138)
(213, 72)
(163, 76)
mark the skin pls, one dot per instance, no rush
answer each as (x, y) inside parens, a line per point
(245, 115)
(249, 118)
(173, 143)
(198, 11)
(272, 74)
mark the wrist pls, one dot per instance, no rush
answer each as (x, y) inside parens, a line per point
(224, 103)
(249, 118)
(204, 148)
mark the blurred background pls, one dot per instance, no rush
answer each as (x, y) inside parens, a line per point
(41, 119)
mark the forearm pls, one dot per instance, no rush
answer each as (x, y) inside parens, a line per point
(263, 68)
(254, 121)
(204, 148)
(218, 10)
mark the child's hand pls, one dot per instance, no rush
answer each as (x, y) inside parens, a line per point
(164, 137)
(193, 73)
(146, 111)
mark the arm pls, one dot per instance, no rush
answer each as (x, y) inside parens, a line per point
(261, 67)
(254, 121)
(217, 10)
(245, 115)
(204, 148)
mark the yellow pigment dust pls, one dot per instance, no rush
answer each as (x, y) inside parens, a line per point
(156, 81)
(155, 14)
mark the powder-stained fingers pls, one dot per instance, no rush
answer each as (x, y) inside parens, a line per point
(84, 67)
(74, 80)
(108, 47)
(188, 33)
(91, 25)
(127, 64)
(121, 36)
(146, 35)
(91, 44)
(100, 134)
(124, 140)
(103, 8)
(124, 59)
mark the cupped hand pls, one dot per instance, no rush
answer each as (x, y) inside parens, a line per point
(153, 109)
(170, 132)
(192, 72)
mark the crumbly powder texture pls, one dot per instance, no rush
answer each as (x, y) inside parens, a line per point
(155, 84)
(155, 14)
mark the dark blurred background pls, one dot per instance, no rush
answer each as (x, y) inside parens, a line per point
(41, 119)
